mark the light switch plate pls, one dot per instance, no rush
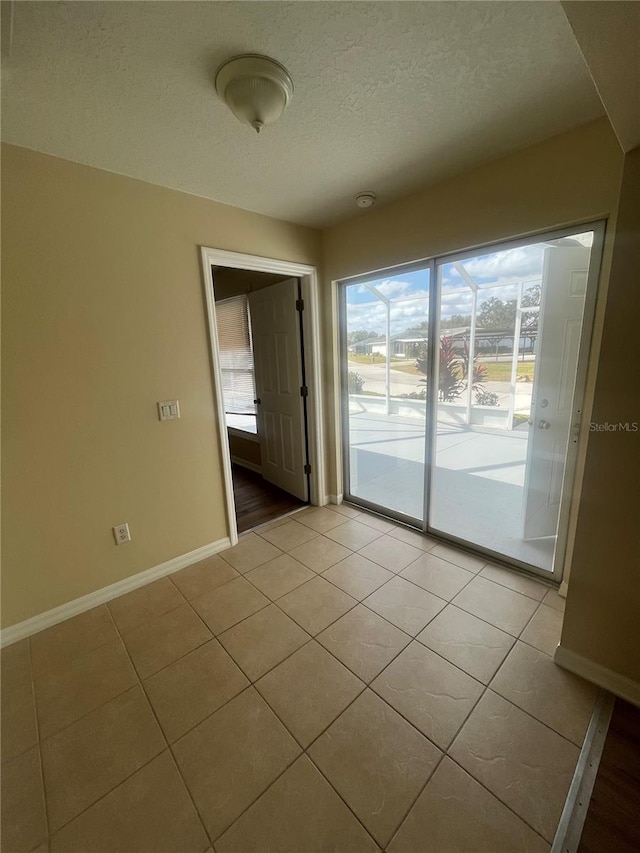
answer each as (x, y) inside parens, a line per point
(169, 410)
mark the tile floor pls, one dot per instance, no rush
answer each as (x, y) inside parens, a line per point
(332, 683)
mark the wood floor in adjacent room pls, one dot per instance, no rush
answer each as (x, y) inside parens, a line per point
(613, 821)
(258, 501)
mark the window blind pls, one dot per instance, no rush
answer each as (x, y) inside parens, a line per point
(236, 355)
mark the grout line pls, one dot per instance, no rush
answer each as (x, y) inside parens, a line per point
(496, 797)
(38, 743)
(305, 748)
(337, 619)
(515, 636)
(529, 621)
(262, 793)
(207, 716)
(106, 793)
(111, 698)
(464, 722)
(537, 649)
(505, 586)
(166, 740)
(415, 800)
(131, 687)
(409, 580)
(189, 794)
(528, 713)
(167, 747)
(34, 706)
(305, 752)
(338, 794)
(534, 718)
(253, 682)
(312, 637)
(171, 663)
(413, 725)
(252, 685)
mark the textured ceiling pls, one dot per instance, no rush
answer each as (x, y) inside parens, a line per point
(599, 27)
(389, 96)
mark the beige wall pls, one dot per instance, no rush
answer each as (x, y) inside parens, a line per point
(103, 315)
(245, 449)
(603, 602)
(569, 179)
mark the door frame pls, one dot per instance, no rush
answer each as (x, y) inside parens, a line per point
(571, 487)
(308, 276)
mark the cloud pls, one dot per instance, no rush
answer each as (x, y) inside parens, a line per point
(373, 316)
(456, 303)
(509, 265)
(392, 289)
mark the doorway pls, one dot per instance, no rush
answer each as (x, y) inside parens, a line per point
(264, 347)
(262, 368)
(462, 382)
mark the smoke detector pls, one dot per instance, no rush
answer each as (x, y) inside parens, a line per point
(366, 199)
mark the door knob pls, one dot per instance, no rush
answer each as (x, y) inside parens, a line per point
(257, 402)
(543, 424)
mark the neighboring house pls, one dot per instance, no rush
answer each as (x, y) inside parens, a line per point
(367, 347)
(402, 345)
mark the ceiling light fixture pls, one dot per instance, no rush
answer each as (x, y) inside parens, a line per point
(256, 89)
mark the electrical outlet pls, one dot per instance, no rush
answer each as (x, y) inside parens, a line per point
(121, 534)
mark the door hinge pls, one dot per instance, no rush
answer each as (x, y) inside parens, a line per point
(304, 391)
(299, 304)
(307, 468)
(575, 429)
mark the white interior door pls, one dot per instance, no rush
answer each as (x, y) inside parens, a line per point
(564, 287)
(275, 327)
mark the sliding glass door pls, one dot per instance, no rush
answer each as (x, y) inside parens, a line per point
(384, 357)
(486, 426)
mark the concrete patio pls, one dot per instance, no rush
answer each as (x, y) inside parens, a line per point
(478, 484)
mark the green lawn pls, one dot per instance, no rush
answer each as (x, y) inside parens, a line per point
(367, 359)
(377, 359)
(407, 367)
(497, 371)
(500, 371)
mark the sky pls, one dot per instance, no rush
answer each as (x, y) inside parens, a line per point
(497, 274)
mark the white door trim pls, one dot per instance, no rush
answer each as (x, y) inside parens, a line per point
(313, 364)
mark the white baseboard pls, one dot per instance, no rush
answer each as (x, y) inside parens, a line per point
(334, 499)
(243, 463)
(562, 589)
(107, 593)
(612, 681)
